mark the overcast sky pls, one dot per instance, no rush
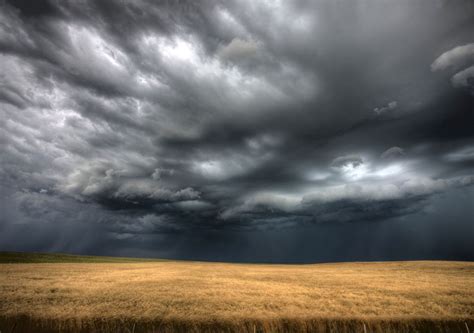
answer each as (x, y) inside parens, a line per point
(286, 131)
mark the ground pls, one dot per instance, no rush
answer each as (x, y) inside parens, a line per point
(79, 294)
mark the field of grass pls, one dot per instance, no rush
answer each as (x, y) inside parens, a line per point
(168, 296)
(25, 257)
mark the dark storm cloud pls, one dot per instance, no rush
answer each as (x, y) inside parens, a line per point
(182, 117)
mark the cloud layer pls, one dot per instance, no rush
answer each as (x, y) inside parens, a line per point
(141, 118)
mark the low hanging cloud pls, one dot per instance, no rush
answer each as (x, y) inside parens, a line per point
(367, 192)
(116, 186)
(462, 155)
(384, 109)
(347, 161)
(238, 49)
(464, 79)
(392, 153)
(457, 57)
(360, 201)
(456, 60)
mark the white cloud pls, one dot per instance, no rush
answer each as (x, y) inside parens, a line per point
(346, 160)
(230, 164)
(94, 181)
(412, 187)
(389, 107)
(158, 173)
(267, 202)
(389, 171)
(456, 57)
(317, 175)
(90, 55)
(351, 167)
(220, 169)
(238, 49)
(464, 154)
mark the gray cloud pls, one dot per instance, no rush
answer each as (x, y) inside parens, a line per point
(392, 153)
(390, 106)
(457, 59)
(454, 58)
(156, 119)
(347, 161)
(464, 78)
(238, 48)
(463, 154)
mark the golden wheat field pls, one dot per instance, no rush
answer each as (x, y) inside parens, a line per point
(197, 296)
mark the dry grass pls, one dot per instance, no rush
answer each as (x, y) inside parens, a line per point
(193, 296)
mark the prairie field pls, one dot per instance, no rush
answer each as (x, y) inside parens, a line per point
(130, 295)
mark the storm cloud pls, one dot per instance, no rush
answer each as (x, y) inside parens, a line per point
(155, 127)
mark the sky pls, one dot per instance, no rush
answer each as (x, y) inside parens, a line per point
(259, 131)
